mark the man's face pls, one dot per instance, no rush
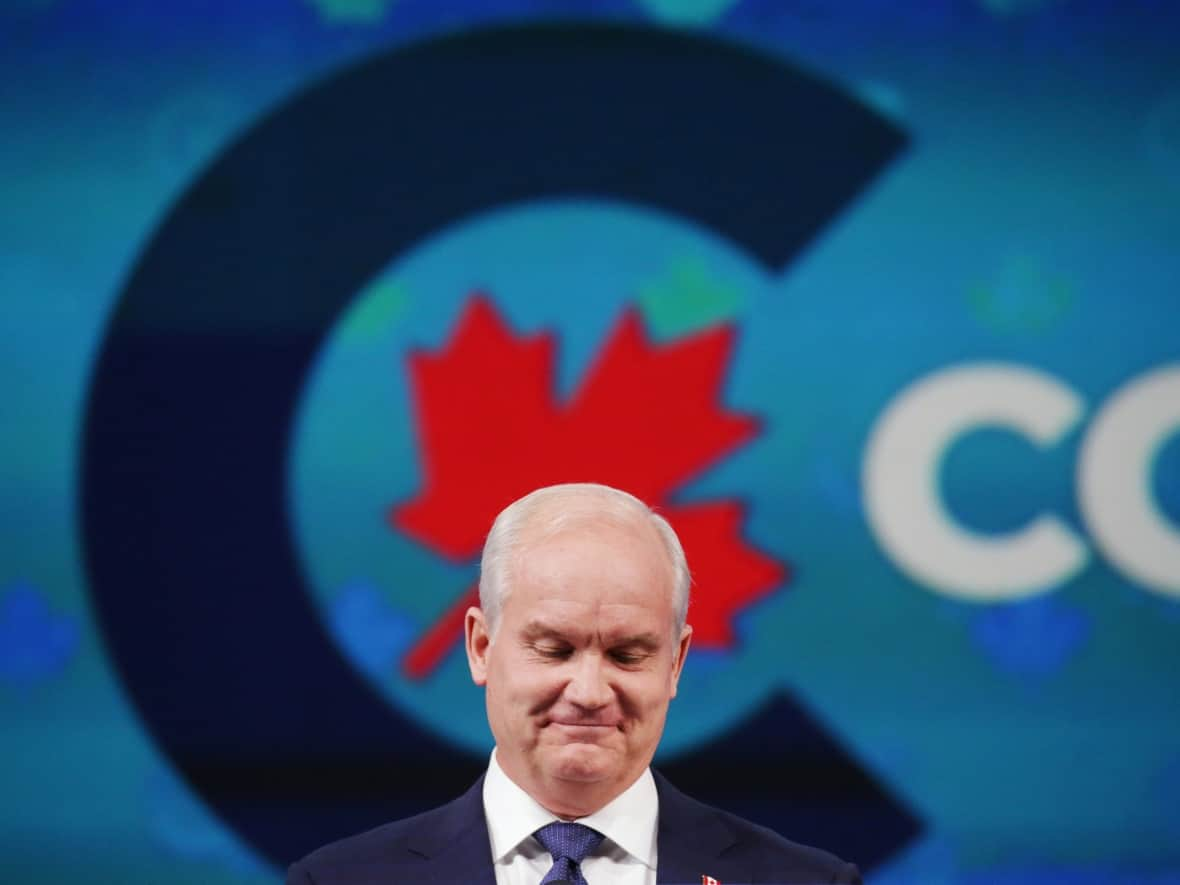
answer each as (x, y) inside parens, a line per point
(583, 664)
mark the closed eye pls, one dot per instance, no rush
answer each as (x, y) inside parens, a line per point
(629, 657)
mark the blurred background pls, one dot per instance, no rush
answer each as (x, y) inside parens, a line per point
(879, 302)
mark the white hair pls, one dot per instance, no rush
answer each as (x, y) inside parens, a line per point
(507, 534)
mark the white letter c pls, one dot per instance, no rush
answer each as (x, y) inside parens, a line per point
(901, 470)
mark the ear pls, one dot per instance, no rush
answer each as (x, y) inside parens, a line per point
(475, 629)
(681, 653)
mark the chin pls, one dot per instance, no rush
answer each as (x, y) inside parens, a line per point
(583, 762)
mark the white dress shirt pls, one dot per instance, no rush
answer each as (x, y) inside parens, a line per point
(627, 856)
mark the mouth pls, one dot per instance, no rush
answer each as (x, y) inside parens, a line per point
(587, 731)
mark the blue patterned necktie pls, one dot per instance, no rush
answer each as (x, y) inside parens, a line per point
(569, 844)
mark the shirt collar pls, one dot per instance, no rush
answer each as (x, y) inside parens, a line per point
(629, 820)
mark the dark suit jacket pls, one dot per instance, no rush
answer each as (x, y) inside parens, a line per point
(449, 845)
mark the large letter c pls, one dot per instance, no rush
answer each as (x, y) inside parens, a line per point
(900, 479)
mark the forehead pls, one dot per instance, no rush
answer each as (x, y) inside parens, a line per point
(601, 562)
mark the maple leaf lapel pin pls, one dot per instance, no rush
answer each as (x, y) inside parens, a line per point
(709, 880)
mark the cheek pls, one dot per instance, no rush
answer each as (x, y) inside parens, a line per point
(646, 697)
(662, 689)
(528, 690)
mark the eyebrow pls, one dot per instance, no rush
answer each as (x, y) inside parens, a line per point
(535, 630)
(541, 630)
(645, 641)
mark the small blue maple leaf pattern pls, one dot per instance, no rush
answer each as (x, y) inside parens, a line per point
(182, 826)
(836, 486)
(36, 643)
(1034, 637)
(374, 633)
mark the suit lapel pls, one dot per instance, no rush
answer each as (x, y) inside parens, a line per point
(456, 842)
(691, 839)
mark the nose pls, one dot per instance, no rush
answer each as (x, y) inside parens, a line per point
(588, 687)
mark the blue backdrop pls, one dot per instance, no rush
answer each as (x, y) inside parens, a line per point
(879, 303)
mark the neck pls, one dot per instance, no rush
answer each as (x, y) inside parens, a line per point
(570, 800)
(567, 799)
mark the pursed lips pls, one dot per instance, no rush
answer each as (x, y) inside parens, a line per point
(581, 723)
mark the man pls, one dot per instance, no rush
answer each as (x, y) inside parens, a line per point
(579, 641)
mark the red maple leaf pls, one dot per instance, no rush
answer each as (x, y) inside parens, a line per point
(645, 419)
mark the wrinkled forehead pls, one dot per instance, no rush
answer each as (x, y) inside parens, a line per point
(553, 514)
(588, 515)
(583, 511)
